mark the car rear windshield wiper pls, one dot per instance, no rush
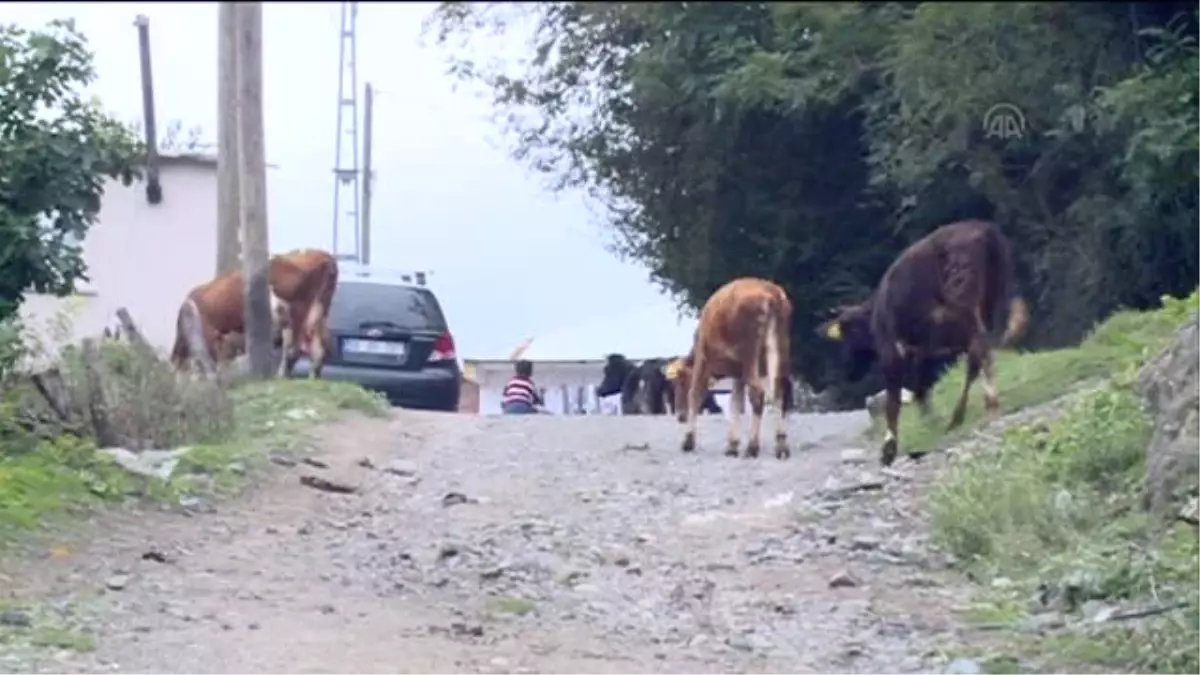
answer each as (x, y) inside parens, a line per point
(367, 325)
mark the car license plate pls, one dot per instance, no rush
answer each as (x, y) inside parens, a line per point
(379, 347)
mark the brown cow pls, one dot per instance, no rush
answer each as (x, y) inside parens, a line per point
(743, 335)
(936, 301)
(302, 286)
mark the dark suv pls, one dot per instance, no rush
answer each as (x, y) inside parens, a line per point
(390, 336)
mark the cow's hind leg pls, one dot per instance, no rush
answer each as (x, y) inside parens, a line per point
(974, 362)
(757, 399)
(696, 388)
(891, 414)
(283, 326)
(990, 397)
(318, 349)
(775, 398)
(737, 401)
(893, 387)
(317, 326)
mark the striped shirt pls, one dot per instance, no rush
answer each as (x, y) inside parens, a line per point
(520, 389)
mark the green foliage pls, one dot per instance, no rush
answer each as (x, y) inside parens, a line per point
(120, 393)
(1056, 512)
(811, 142)
(60, 474)
(271, 417)
(57, 150)
(1043, 484)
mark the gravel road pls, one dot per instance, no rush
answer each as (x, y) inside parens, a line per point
(538, 544)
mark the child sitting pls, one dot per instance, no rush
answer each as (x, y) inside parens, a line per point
(520, 395)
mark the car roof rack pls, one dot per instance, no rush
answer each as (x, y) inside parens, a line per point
(349, 266)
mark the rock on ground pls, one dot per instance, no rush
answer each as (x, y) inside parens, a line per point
(540, 544)
(1171, 385)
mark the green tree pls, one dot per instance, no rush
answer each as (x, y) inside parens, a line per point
(1067, 190)
(55, 151)
(810, 142)
(1152, 114)
(683, 121)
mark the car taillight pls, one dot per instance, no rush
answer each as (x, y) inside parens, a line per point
(443, 348)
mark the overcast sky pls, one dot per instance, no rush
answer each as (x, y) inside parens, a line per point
(510, 259)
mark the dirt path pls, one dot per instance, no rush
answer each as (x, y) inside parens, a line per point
(584, 545)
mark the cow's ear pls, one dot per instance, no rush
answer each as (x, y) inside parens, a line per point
(671, 370)
(833, 330)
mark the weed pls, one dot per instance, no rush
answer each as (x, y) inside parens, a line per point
(1115, 347)
(116, 393)
(510, 605)
(1056, 510)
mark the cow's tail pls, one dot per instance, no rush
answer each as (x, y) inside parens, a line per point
(774, 321)
(1018, 320)
(180, 352)
(1005, 281)
(190, 340)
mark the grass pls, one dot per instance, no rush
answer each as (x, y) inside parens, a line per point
(44, 486)
(270, 418)
(1052, 520)
(47, 627)
(510, 606)
(55, 479)
(1122, 342)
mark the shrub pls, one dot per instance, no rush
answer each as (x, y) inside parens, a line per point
(1057, 510)
(1045, 483)
(131, 397)
(116, 392)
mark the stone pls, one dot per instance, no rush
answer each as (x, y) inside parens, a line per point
(854, 456)
(116, 582)
(15, 618)
(153, 463)
(864, 542)
(963, 667)
(1170, 384)
(401, 467)
(842, 579)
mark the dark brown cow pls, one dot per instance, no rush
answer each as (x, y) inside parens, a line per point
(302, 286)
(743, 335)
(937, 300)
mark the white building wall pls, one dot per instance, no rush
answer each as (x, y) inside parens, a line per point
(140, 256)
(552, 376)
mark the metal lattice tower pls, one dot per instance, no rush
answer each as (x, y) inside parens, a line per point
(346, 171)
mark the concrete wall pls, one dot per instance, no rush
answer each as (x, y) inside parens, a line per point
(549, 375)
(140, 256)
(553, 376)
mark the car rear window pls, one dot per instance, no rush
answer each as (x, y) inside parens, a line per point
(413, 308)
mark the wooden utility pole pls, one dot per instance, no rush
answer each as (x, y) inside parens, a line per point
(253, 173)
(365, 217)
(229, 212)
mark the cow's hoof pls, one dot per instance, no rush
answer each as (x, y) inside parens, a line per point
(956, 420)
(751, 451)
(731, 448)
(689, 442)
(993, 408)
(782, 451)
(887, 454)
(916, 456)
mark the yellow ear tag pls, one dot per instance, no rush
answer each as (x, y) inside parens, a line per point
(671, 370)
(834, 332)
